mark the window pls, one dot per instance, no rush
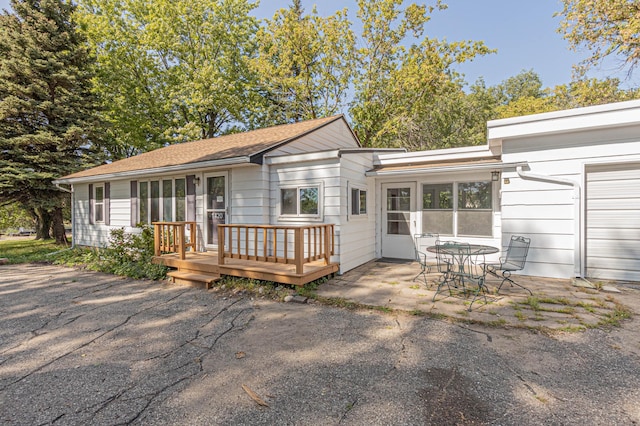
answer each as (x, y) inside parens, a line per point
(469, 214)
(144, 202)
(358, 201)
(167, 200)
(437, 208)
(300, 201)
(181, 200)
(164, 200)
(98, 204)
(475, 211)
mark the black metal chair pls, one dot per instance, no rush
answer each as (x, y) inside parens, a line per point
(425, 261)
(445, 264)
(471, 274)
(515, 259)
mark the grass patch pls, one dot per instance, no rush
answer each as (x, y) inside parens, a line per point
(28, 250)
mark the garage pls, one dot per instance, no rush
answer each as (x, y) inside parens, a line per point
(613, 221)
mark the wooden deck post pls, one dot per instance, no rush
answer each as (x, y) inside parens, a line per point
(299, 250)
(157, 231)
(327, 250)
(221, 244)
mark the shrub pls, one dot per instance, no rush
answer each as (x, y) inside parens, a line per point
(128, 254)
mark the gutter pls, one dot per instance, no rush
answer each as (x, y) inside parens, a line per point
(577, 252)
(73, 211)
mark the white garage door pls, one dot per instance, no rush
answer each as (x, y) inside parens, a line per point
(613, 222)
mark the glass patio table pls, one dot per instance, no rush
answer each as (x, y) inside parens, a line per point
(458, 251)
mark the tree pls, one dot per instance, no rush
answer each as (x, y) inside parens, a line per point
(46, 108)
(592, 91)
(606, 28)
(398, 87)
(170, 70)
(305, 64)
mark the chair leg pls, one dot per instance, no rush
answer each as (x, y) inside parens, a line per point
(507, 277)
(444, 280)
(481, 288)
(423, 272)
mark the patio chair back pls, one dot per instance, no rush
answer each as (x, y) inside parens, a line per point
(444, 261)
(516, 253)
(422, 241)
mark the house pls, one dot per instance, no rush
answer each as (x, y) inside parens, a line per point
(306, 195)
(280, 194)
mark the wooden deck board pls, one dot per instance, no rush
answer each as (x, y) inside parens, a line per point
(207, 262)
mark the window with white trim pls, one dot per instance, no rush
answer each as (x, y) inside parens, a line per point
(98, 204)
(358, 202)
(458, 208)
(300, 201)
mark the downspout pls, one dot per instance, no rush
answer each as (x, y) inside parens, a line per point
(73, 227)
(577, 252)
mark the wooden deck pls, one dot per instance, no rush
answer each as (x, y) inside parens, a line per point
(201, 265)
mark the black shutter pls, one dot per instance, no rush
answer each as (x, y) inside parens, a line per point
(134, 202)
(107, 203)
(92, 205)
(191, 198)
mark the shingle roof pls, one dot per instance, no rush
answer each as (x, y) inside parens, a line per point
(252, 143)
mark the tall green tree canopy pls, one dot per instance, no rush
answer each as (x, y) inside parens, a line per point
(305, 64)
(606, 28)
(170, 70)
(47, 112)
(398, 86)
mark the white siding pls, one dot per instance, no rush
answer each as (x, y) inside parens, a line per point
(332, 136)
(357, 232)
(97, 235)
(249, 195)
(549, 213)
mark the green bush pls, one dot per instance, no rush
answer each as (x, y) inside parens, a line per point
(128, 254)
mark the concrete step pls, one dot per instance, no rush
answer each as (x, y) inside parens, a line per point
(193, 278)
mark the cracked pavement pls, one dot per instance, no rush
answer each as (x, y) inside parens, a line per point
(78, 347)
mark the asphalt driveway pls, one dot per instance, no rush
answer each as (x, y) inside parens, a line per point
(78, 347)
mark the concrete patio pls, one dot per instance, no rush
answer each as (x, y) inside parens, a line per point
(556, 304)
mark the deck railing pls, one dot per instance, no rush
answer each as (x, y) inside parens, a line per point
(276, 244)
(170, 237)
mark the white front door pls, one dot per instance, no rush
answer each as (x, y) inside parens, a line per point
(398, 224)
(215, 206)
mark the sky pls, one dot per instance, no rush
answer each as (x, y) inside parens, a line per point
(523, 32)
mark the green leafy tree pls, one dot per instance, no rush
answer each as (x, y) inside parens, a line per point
(13, 217)
(305, 64)
(398, 88)
(592, 91)
(605, 28)
(170, 70)
(46, 108)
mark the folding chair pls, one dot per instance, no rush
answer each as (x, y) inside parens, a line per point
(514, 260)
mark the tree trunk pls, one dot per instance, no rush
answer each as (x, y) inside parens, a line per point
(58, 227)
(43, 224)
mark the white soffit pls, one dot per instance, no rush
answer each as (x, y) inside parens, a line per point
(601, 116)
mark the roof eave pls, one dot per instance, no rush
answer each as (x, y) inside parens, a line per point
(444, 169)
(154, 171)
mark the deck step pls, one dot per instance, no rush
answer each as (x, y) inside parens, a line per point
(193, 278)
